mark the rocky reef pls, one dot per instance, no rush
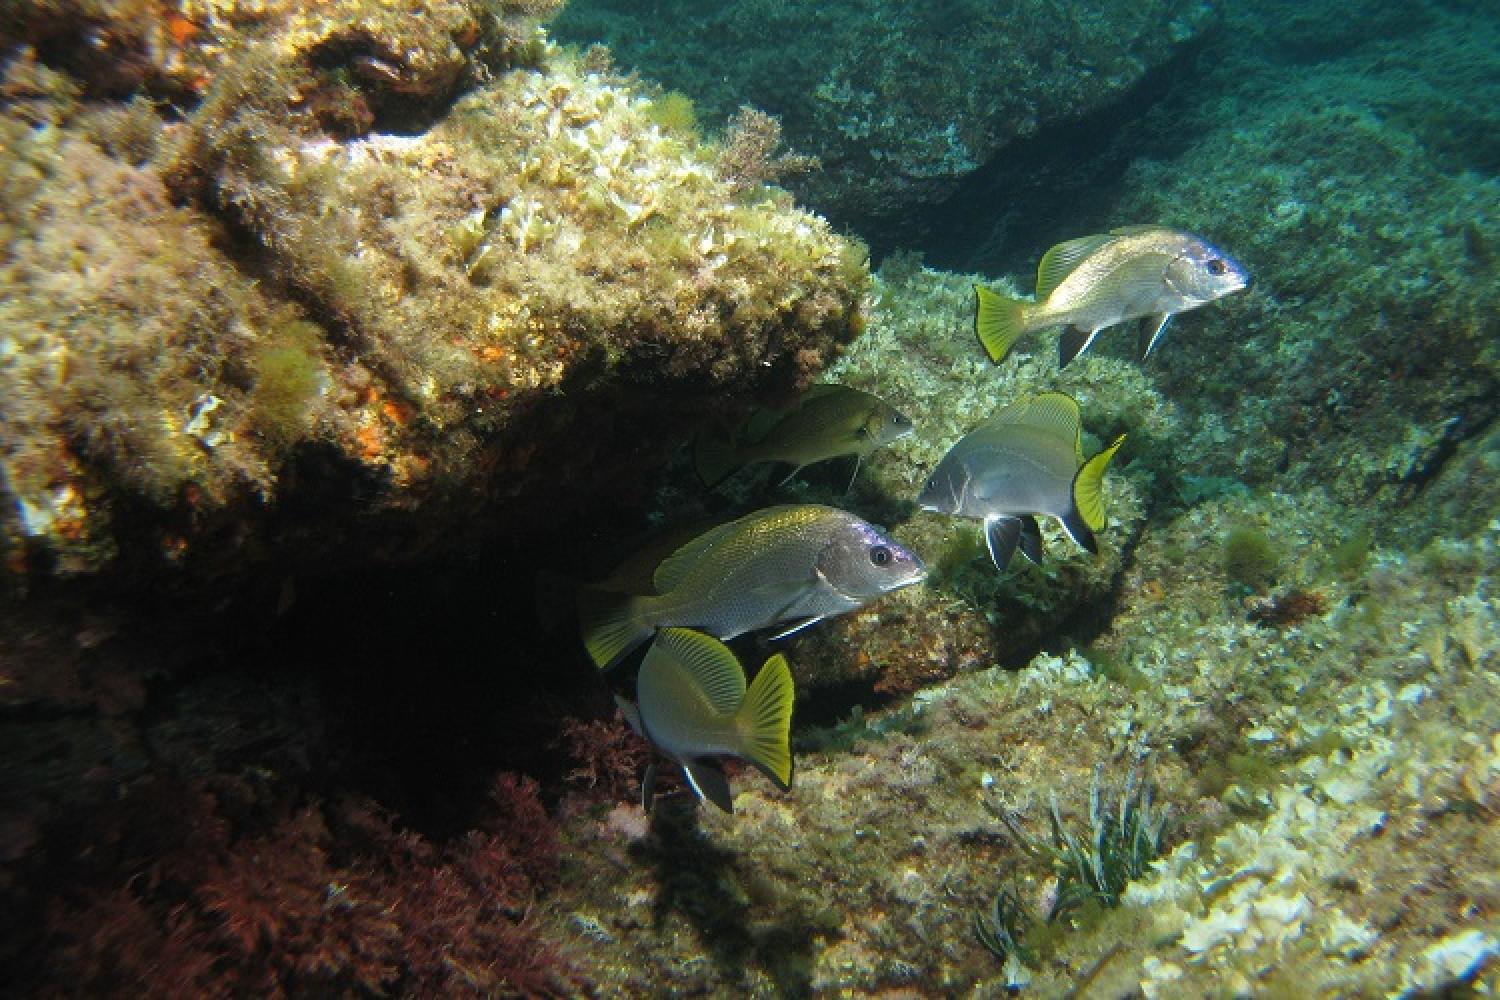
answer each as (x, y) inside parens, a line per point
(273, 291)
(332, 338)
(900, 102)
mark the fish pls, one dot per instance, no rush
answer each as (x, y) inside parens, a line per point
(693, 706)
(828, 421)
(1097, 281)
(797, 563)
(1025, 461)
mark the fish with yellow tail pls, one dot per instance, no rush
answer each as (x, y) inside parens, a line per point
(1023, 462)
(1097, 281)
(693, 706)
(794, 564)
(829, 421)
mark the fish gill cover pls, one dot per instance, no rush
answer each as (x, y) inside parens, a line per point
(325, 330)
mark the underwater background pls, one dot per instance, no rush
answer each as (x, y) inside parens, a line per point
(340, 342)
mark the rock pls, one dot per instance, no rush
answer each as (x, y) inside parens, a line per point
(899, 101)
(368, 341)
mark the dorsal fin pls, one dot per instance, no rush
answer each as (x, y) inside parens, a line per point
(673, 568)
(709, 663)
(1055, 413)
(1063, 259)
(823, 389)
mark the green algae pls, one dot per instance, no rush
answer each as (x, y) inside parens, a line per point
(674, 112)
(1249, 558)
(289, 377)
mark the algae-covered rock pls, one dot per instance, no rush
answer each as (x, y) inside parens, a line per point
(533, 295)
(899, 101)
(125, 338)
(373, 55)
(1360, 193)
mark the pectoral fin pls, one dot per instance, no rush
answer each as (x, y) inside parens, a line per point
(1151, 332)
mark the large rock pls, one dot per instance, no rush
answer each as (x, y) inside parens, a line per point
(900, 101)
(253, 334)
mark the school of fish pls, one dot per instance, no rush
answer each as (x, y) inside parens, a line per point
(791, 566)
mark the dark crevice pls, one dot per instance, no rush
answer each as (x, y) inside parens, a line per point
(1052, 186)
(1470, 423)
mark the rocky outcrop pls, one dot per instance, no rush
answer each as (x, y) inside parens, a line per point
(899, 101)
(275, 328)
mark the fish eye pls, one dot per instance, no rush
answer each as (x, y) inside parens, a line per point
(1217, 267)
(880, 555)
(899, 419)
(932, 483)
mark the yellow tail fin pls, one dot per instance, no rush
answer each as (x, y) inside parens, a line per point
(999, 321)
(764, 721)
(609, 625)
(1088, 486)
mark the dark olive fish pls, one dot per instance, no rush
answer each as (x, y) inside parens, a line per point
(693, 705)
(1097, 281)
(828, 421)
(1023, 462)
(791, 564)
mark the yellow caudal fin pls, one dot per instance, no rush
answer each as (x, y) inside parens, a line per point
(609, 625)
(1088, 486)
(999, 320)
(764, 721)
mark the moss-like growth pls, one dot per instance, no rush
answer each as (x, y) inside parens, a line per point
(1117, 667)
(1349, 556)
(674, 112)
(289, 376)
(1249, 558)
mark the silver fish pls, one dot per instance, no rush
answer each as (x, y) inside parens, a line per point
(692, 704)
(1097, 281)
(1025, 460)
(796, 564)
